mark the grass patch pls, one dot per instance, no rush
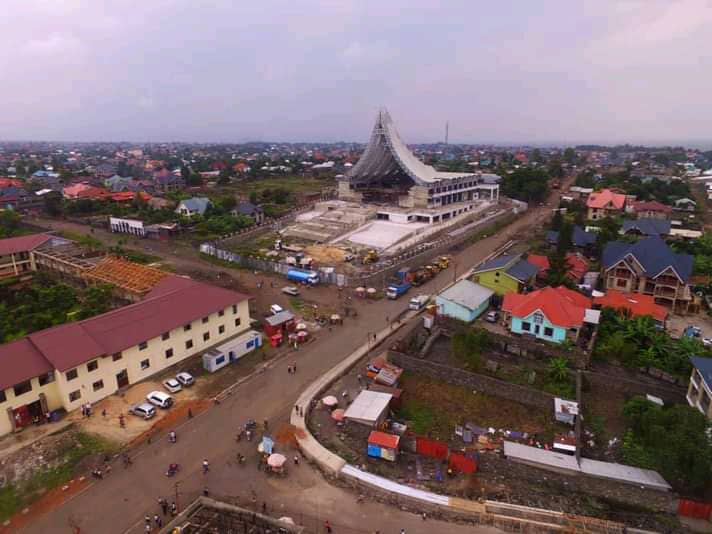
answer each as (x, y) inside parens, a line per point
(14, 497)
(419, 414)
(492, 228)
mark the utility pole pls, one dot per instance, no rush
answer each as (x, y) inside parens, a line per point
(447, 132)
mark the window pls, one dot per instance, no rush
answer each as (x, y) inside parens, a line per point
(46, 378)
(548, 331)
(75, 396)
(22, 388)
(189, 344)
(221, 313)
(219, 360)
(99, 384)
(221, 329)
(92, 366)
(526, 326)
(237, 322)
(145, 364)
(165, 335)
(538, 318)
(187, 327)
(143, 345)
(71, 374)
(169, 353)
(205, 319)
(620, 282)
(206, 336)
(3, 397)
(234, 309)
(116, 357)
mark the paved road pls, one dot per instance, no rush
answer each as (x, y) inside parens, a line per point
(118, 503)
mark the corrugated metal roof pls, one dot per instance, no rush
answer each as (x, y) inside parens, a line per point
(467, 294)
(25, 243)
(368, 406)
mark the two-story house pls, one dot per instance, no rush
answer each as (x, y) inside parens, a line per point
(650, 209)
(16, 257)
(69, 365)
(605, 203)
(699, 391)
(506, 274)
(649, 267)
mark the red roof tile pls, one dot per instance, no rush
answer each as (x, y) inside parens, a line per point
(382, 439)
(635, 303)
(652, 205)
(19, 361)
(561, 306)
(25, 243)
(601, 199)
(540, 261)
(173, 302)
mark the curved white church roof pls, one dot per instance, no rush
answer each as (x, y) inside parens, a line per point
(386, 153)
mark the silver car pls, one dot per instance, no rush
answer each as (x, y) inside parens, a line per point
(143, 410)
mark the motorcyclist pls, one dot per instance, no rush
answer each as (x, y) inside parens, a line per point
(172, 437)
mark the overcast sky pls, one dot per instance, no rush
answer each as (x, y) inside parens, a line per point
(318, 70)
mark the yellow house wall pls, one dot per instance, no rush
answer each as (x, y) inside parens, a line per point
(50, 390)
(155, 352)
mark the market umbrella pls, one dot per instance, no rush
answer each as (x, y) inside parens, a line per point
(330, 400)
(338, 414)
(301, 326)
(360, 289)
(371, 291)
(335, 318)
(287, 520)
(276, 460)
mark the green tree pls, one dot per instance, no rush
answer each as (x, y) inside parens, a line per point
(570, 156)
(557, 220)
(96, 300)
(469, 345)
(254, 199)
(559, 369)
(53, 203)
(9, 223)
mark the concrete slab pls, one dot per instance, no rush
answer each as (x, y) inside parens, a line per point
(383, 234)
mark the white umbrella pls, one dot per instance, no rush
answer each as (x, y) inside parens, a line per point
(330, 400)
(371, 290)
(301, 326)
(287, 520)
(276, 460)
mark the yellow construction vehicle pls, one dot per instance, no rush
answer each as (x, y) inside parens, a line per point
(370, 257)
(443, 262)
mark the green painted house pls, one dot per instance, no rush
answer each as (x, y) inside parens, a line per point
(506, 274)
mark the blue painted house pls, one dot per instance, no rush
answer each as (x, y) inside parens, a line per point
(552, 314)
(464, 300)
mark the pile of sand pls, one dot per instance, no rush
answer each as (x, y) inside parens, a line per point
(325, 254)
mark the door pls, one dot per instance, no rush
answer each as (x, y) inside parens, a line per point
(122, 379)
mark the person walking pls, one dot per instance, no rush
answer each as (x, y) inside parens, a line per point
(164, 505)
(294, 368)
(206, 466)
(327, 526)
(157, 519)
(174, 509)
(296, 460)
(147, 519)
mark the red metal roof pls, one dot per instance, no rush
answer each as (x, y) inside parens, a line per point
(561, 306)
(25, 243)
(635, 303)
(601, 199)
(577, 264)
(173, 302)
(19, 361)
(651, 205)
(382, 439)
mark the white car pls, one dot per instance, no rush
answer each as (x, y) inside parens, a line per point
(275, 309)
(707, 341)
(186, 379)
(291, 290)
(172, 385)
(492, 317)
(160, 399)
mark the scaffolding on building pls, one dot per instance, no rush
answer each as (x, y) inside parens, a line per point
(133, 278)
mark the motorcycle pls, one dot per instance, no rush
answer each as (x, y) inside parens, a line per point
(172, 470)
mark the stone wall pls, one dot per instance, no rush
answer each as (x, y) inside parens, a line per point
(482, 383)
(667, 392)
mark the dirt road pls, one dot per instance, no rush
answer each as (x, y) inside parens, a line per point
(118, 503)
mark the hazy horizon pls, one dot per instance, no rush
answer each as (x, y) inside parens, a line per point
(552, 73)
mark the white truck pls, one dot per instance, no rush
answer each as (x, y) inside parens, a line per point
(416, 303)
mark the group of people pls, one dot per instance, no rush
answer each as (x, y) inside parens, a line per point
(292, 369)
(157, 521)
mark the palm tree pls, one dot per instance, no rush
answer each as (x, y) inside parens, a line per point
(559, 369)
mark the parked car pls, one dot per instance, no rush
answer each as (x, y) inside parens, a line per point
(275, 309)
(186, 379)
(492, 317)
(291, 290)
(707, 341)
(143, 410)
(172, 385)
(160, 399)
